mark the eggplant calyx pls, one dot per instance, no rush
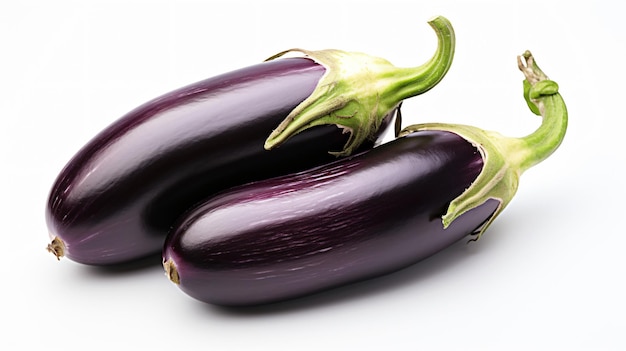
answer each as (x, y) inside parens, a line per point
(506, 158)
(357, 90)
(171, 272)
(56, 247)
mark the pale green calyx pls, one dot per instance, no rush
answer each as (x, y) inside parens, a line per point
(357, 91)
(505, 158)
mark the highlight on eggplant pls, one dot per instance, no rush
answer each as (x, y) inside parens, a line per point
(117, 198)
(359, 217)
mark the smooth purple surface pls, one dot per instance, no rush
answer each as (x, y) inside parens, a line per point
(354, 219)
(120, 194)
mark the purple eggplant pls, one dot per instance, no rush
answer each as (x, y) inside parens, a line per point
(359, 217)
(119, 195)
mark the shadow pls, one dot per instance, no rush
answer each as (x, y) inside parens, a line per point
(151, 262)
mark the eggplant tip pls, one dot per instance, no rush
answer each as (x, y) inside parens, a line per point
(171, 272)
(57, 247)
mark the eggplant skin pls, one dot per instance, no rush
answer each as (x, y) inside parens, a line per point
(356, 218)
(118, 197)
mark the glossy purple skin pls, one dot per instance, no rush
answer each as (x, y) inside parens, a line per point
(353, 219)
(117, 198)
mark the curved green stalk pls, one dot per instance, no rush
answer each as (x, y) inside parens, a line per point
(358, 91)
(505, 158)
(542, 93)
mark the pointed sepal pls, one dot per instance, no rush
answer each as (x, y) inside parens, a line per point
(358, 90)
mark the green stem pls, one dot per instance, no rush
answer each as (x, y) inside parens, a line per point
(413, 81)
(542, 93)
(358, 91)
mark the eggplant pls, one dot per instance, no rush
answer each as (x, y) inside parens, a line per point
(370, 214)
(118, 197)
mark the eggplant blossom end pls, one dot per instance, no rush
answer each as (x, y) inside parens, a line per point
(56, 247)
(358, 91)
(171, 272)
(505, 158)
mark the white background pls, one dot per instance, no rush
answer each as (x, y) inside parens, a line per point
(548, 275)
